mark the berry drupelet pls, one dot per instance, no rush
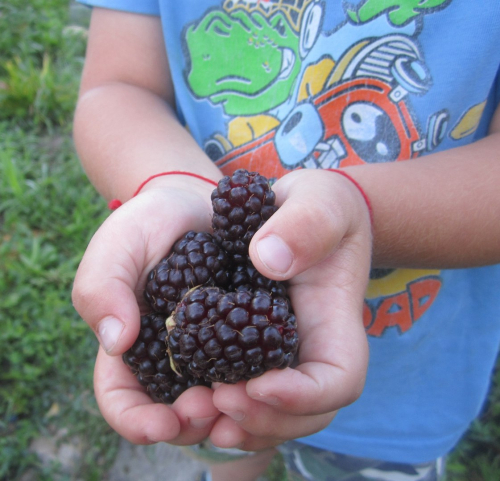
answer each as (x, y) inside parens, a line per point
(247, 277)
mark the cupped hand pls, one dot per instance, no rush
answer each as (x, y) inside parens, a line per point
(107, 294)
(320, 242)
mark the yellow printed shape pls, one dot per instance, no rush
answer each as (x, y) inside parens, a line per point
(244, 129)
(469, 122)
(396, 281)
(344, 62)
(314, 78)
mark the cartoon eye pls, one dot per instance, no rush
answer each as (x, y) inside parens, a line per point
(370, 132)
(219, 26)
(280, 28)
(298, 135)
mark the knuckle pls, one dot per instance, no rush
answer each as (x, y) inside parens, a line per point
(321, 219)
(82, 297)
(271, 428)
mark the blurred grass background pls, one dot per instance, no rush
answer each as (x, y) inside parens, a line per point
(48, 212)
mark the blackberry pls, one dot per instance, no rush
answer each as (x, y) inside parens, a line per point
(247, 277)
(229, 336)
(149, 362)
(195, 260)
(241, 203)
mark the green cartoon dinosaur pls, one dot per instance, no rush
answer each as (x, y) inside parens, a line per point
(242, 60)
(399, 12)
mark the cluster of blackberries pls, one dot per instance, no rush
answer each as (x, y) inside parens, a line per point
(215, 317)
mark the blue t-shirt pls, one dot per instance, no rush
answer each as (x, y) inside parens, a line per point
(273, 86)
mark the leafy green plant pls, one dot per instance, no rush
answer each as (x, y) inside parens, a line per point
(31, 28)
(477, 457)
(40, 62)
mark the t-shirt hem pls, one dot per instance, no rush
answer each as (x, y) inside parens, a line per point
(414, 451)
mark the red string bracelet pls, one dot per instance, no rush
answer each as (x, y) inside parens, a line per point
(361, 190)
(115, 203)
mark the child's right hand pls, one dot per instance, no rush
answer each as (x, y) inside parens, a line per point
(108, 295)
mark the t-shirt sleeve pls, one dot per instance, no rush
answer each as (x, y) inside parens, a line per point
(146, 7)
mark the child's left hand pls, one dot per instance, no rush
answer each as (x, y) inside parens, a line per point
(325, 226)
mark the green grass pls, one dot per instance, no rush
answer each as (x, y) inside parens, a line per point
(477, 457)
(48, 212)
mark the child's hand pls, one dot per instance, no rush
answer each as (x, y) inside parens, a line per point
(108, 295)
(319, 239)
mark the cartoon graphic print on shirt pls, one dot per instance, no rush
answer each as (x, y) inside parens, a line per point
(299, 97)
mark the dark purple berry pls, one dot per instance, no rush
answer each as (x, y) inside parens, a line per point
(242, 203)
(149, 362)
(247, 334)
(196, 259)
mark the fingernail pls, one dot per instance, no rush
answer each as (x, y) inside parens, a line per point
(275, 254)
(271, 400)
(235, 415)
(109, 331)
(200, 423)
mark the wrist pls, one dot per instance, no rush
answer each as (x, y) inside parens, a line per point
(359, 188)
(181, 180)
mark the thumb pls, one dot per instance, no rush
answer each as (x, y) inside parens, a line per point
(103, 291)
(317, 211)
